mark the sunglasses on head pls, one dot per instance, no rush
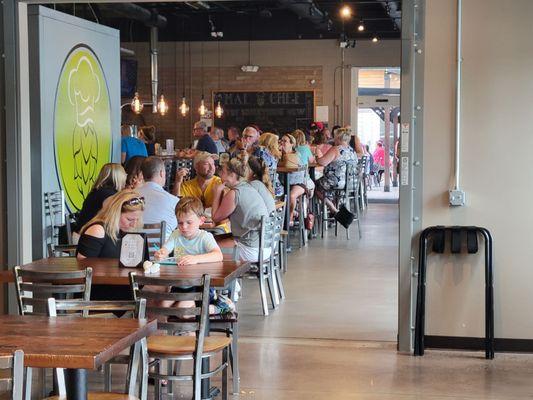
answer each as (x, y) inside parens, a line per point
(135, 201)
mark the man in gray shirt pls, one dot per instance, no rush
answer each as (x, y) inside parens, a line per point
(159, 205)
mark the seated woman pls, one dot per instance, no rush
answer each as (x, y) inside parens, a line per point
(297, 180)
(268, 152)
(111, 179)
(134, 173)
(100, 237)
(321, 144)
(335, 162)
(239, 201)
(260, 179)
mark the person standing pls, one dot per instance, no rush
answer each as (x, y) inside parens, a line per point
(130, 145)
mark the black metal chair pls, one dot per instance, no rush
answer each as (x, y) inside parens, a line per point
(12, 376)
(155, 236)
(178, 321)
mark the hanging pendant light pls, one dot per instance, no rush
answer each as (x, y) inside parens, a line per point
(162, 105)
(202, 109)
(218, 109)
(136, 104)
(184, 108)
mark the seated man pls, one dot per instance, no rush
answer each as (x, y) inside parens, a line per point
(159, 205)
(205, 142)
(203, 184)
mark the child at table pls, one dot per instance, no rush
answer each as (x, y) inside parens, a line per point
(191, 245)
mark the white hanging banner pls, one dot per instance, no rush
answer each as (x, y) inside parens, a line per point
(404, 137)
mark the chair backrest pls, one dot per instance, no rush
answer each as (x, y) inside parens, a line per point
(278, 228)
(267, 235)
(352, 177)
(174, 319)
(94, 308)
(54, 210)
(32, 286)
(12, 375)
(61, 250)
(155, 236)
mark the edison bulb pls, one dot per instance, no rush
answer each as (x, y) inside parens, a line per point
(162, 105)
(219, 110)
(184, 108)
(136, 104)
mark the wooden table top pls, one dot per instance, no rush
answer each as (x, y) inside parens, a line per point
(285, 170)
(70, 342)
(106, 271)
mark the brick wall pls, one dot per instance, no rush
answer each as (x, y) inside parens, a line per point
(174, 126)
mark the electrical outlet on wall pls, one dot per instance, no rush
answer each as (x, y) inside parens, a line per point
(457, 197)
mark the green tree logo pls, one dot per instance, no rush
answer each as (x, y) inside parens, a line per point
(82, 124)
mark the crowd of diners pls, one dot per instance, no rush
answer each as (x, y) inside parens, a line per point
(230, 196)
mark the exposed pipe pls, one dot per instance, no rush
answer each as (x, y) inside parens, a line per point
(307, 9)
(133, 11)
(154, 66)
(458, 94)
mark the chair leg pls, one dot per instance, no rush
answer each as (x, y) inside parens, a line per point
(235, 358)
(272, 286)
(170, 382)
(27, 385)
(262, 290)
(42, 382)
(324, 218)
(281, 289)
(157, 383)
(107, 377)
(225, 374)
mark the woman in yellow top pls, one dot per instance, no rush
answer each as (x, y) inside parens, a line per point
(202, 185)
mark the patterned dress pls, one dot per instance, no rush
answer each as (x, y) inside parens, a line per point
(272, 163)
(335, 172)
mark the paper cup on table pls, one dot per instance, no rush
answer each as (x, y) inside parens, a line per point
(170, 146)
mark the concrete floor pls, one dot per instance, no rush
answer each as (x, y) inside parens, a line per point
(336, 288)
(333, 338)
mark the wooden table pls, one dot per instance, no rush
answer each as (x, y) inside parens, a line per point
(284, 176)
(107, 272)
(74, 343)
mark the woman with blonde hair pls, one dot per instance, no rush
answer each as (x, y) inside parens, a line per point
(239, 201)
(303, 148)
(101, 236)
(268, 151)
(110, 180)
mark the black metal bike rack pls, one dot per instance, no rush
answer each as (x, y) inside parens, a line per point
(437, 235)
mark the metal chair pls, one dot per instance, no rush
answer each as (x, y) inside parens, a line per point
(12, 376)
(61, 250)
(178, 321)
(138, 352)
(264, 265)
(54, 210)
(34, 287)
(277, 256)
(155, 236)
(347, 196)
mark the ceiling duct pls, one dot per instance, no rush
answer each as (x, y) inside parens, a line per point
(307, 9)
(133, 11)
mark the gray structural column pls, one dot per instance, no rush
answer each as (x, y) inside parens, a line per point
(411, 151)
(17, 125)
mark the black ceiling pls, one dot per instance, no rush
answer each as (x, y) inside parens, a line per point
(250, 20)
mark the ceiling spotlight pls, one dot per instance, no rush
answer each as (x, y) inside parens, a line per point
(346, 12)
(375, 39)
(361, 26)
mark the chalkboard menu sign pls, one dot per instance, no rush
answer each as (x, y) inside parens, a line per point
(278, 112)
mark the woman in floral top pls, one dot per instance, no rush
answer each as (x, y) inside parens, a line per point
(268, 151)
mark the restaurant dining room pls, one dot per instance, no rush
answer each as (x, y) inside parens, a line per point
(257, 200)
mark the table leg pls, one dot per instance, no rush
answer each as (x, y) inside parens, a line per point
(76, 384)
(287, 188)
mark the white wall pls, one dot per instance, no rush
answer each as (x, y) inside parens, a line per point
(496, 169)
